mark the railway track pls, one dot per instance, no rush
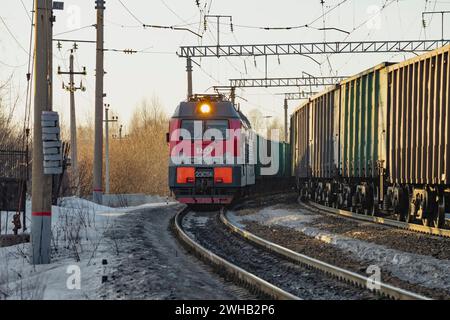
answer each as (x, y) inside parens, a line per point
(269, 268)
(379, 220)
(229, 268)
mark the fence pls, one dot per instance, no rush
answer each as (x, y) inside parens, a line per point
(13, 182)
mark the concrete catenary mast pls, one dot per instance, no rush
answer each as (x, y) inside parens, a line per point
(41, 203)
(99, 73)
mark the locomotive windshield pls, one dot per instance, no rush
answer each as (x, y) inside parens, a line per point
(220, 125)
(190, 125)
(198, 128)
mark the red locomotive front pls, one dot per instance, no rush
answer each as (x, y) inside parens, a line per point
(209, 141)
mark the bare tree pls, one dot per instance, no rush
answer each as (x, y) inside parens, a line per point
(10, 134)
(256, 119)
(138, 161)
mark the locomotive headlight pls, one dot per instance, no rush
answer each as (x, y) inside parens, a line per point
(205, 108)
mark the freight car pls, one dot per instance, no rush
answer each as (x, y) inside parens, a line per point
(216, 157)
(378, 142)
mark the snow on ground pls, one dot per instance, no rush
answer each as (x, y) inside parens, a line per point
(426, 270)
(77, 204)
(78, 241)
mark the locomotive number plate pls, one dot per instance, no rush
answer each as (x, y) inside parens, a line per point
(204, 174)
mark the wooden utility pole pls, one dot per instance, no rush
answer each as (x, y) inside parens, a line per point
(73, 123)
(99, 73)
(41, 201)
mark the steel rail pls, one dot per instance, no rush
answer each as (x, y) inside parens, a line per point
(349, 276)
(383, 221)
(231, 269)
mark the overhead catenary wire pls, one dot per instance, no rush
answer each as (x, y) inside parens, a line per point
(173, 11)
(130, 12)
(268, 92)
(171, 27)
(307, 25)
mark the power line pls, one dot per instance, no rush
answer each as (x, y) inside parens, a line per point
(26, 10)
(12, 66)
(12, 35)
(29, 75)
(173, 12)
(73, 30)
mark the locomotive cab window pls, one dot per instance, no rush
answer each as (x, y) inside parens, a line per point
(218, 126)
(194, 127)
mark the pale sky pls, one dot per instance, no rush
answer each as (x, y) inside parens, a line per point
(159, 72)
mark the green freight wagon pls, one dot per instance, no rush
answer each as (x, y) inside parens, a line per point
(362, 118)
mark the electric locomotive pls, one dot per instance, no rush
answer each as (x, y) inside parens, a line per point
(210, 143)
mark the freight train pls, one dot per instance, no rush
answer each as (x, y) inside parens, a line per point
(378, 142)
(216, 157)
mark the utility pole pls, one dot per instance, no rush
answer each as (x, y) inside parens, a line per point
(73, 123)
(285, 120)
(98, 143)
(107, 121)
(189, 76)
(233, 95)
(41, 201)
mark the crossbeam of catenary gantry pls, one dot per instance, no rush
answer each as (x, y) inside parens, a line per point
(298, 95)
(285, 82)
(310, 48)
(288, 96)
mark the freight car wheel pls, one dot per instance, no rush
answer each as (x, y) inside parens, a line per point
(424, 208)
(401, 216)
(303, 194)
(412, 209)
(353, 207)
(376, 202)
(340, 200)
(439, 220)
(400, 203)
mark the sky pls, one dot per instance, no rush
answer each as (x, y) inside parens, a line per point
(156, 71)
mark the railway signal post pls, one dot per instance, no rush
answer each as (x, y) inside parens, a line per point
(41, 203)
